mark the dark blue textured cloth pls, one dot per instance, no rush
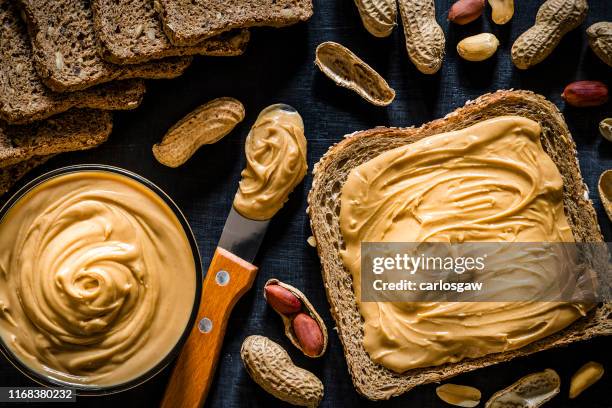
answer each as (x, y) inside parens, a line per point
(278, 67)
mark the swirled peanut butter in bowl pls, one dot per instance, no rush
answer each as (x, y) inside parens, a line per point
(98, 279)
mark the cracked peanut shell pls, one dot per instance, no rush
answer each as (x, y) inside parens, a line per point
(307, 308)
(270, 366)
(349, 71)
(424, 37)
(555, 18)
(531, 391)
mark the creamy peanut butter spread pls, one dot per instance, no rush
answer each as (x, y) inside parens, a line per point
(489, 182)
(97, 279)
(276, 162)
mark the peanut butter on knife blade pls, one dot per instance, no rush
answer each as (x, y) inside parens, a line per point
(276, 162)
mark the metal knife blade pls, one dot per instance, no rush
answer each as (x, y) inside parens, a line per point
(242, 236)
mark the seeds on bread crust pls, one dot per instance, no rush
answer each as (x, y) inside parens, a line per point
(349, 71)
(531, 391)
(130, 32)
(207, 124)
(65, 53)
(303, 325)
(378, 16)
(77, 129)
(424, 37)
(188, 22)
(23, 96)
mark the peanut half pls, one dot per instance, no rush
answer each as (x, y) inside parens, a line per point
(303, 325)
(582, 94)
(308, 334)
(459, 395)
(555, 18)
(270, 366)
(349, 71)
(424, 36)
(586, 376)
(465, 11)
(282, 300)
(205, 125)
(378, 16)
(502, 10)
(478, 47)
(531, 391)
(600, 40)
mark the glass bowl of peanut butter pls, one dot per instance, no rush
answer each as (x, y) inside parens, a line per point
(100, 279)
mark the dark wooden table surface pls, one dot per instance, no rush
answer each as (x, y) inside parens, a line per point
(278, 67)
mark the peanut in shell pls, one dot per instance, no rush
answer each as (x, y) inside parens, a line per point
(207, 124)
(378, 16)
(425, 40)
(554, 19)
(270, 366)
(312, 344)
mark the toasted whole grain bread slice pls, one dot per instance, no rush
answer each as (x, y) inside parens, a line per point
(23, 96)
(189, 22)
(129, 32)
(77, 129)
(375, 381)
(11, 174)
(66, 54)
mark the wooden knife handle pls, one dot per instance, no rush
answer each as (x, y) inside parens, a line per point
(227, 279)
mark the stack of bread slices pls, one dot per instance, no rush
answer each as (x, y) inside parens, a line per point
(65, 64)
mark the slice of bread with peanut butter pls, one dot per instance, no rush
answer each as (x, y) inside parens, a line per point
(373, 380)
